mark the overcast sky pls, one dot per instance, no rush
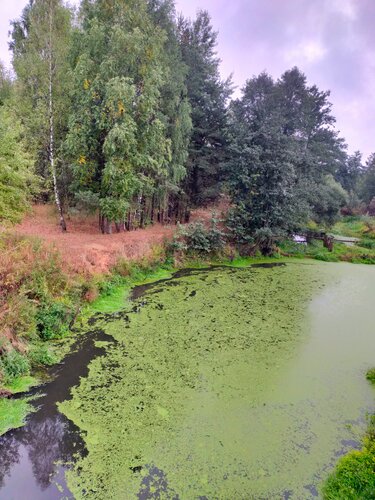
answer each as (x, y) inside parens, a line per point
(332, 41)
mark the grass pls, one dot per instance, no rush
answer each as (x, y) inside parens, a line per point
(21, 384)
(370, 375)
(356, 227)
(341, 252)
(354, 476)
(13, 413)
(37, 303)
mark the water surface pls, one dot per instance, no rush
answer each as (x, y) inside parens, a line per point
(226, 383)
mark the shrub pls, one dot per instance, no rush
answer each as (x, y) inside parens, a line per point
(326, 257)
(196, 238)
(370, 375)
(40, 355)
(14, 364)
(52, 320)
(123, 267)
(367, 243)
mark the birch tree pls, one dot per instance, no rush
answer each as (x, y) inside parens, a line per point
(40, 45)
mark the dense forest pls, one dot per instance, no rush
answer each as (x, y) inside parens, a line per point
(119, 109)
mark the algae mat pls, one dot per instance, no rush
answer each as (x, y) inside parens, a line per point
(228, 383)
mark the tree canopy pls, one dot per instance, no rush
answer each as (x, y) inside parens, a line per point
(123, 111)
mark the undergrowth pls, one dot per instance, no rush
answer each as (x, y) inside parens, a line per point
(341, 252)
(37, 302)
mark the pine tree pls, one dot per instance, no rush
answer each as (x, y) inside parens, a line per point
(208, 95)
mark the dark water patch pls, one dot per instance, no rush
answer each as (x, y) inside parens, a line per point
(311, 488)
(157, 286)
(155, 485)
(35, 457)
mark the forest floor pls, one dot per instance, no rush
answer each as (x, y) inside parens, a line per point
(84, 249)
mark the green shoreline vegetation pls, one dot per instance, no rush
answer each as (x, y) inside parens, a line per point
(117, 109)
(354, 475)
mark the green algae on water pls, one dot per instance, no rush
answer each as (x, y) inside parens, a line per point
(175, 405)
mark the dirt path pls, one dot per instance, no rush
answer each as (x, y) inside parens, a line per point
(83, 247)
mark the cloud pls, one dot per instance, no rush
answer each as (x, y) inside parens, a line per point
(311, 51)
(332, 41)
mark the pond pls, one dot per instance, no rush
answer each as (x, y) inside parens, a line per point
(219, 383)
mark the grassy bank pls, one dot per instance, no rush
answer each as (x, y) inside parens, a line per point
(361, 251)
(354, 476)
(354, 254)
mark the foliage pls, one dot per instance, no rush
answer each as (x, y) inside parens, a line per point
(52, 320)
(5, 85)
(370, 375)
(36, 302)
(349, 173)
(361, 227)
(13, 413)
(43, 30)
(14, 364)
(354, 476)
(367, 183)
(283, 157)
(129, 127)
(329, 198)
(41, 355)
(196, 238)
(341, 252)
(17, 180)
(208, 95)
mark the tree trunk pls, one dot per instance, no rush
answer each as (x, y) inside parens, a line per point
(328, 242)
(51, 130)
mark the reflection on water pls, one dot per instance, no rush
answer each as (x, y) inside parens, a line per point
(29, 458)
(34, 458)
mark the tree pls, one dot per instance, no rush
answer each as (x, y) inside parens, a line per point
(5, 85)
(118, 135)
(176, 112)
(208, 95)
(17, 180)
(367, 187)
(40, 45)
(349, 172)
(284, 153)
(262, 175)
